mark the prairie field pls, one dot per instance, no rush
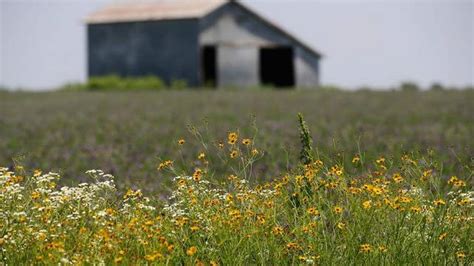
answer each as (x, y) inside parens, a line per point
(126, 133)
(237, 178)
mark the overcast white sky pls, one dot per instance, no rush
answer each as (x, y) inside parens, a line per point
(365, 43)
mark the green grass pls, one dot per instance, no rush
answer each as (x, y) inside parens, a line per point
(128, 133)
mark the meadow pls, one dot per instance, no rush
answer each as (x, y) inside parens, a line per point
(233, 178)
(125, 133)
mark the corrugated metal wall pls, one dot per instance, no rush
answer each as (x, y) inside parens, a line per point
(167, 49)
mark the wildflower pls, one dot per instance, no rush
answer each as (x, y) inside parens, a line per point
(337, 210)
(182, 182)
(197, 174)
(354, 190)
(460, 183)
(337, 170)
(426, 174)
(397, 178)
(220, 144)
(277, 230)
(442, 236)
(232, 177)
(415, 209)
(37, 173)
(356, 159)
(191, 251)
(382, 249)
(439, 202)
(181, 142)
(234, 154)
(246, 142)
(201, 156)
(406, 199)
(367, 204)
(318, 163)
(232, 138)
(194, 228)
(292, 245)
(464, 201)
(118, 259)
(460, 255)
(213, 263)
(313, 211)
(365, 248)
(341, 225)
(35, 195)
(255, 152)
(165, 164)
(380, 161)
(453, 179)
(153, 257)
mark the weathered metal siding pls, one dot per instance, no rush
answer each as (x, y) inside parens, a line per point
(238, 37)
(237, 66)
(306, 69)
(167, 49)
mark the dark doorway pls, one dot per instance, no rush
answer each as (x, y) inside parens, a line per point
(209, 69)
(276, 67)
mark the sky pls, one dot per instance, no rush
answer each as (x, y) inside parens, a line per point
(375, 43)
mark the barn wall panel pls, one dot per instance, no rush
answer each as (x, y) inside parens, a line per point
(167, 49)
(237, 66)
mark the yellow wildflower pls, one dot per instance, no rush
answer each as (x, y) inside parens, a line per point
(397, 178)
(232, 138)
(367, 204)
(312, 211)
(201, 156)
(197, 174)
(234, 154)
(356, 159)
(277, 230)
(439, 202)
(337, 210)
(443, 236)
(191, 251)
(461, 255)
(365, 248)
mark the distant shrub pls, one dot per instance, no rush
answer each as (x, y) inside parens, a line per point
(409, 86)
(115, 82)
(330, 87)
(436, 87)
(144, 83)
(105, 83)
(178, 84)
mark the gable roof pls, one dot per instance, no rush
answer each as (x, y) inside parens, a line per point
(144, 10)
(152, 10)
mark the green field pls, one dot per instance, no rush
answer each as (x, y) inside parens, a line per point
(387, 181)
(127, 133)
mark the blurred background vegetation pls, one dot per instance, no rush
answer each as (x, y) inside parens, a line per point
(128, 133)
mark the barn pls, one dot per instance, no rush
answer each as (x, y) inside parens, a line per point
(204, 42)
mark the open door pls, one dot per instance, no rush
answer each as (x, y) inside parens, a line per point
(277, 67)
(209, 66)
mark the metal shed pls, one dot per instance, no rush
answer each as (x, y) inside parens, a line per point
(204, 42)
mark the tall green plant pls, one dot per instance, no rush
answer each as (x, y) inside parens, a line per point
(306, 153)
